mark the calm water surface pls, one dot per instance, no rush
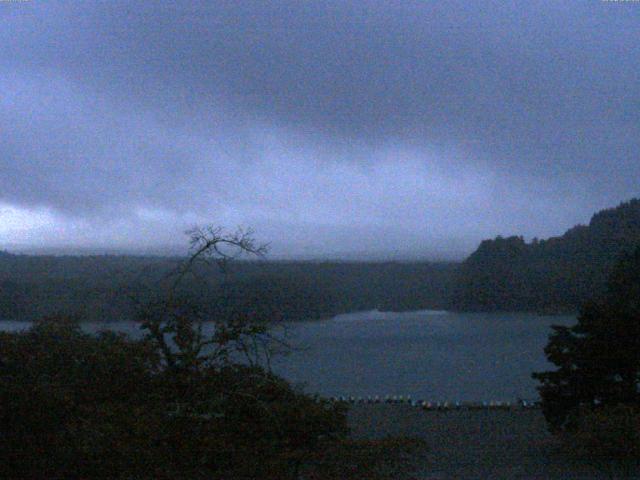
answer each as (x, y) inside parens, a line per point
(428, 355)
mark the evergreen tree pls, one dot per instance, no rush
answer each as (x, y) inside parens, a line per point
(598, 359)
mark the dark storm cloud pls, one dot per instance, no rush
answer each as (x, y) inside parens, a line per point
(411, 126)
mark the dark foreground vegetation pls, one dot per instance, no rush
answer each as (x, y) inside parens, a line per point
(74, 406)
(593, 397)
(176, 404)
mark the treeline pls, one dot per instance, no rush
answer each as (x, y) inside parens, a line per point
(505, 274)
(175, 404)
(97, 288)
(550, 276)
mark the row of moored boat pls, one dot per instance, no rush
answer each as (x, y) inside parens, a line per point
(426, 405)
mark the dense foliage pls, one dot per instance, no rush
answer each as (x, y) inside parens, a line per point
(554, 275)
(100, 288)
(598, 359)
(176, 404)
(74, 405)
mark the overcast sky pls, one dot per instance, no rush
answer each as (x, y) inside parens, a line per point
(407, 128)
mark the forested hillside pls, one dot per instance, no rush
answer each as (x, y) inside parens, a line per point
(105, 287)
(554, 275)
(505, 274)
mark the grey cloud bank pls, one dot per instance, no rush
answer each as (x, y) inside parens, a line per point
(333, 128)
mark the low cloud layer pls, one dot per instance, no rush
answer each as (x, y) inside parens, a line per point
(333, 128)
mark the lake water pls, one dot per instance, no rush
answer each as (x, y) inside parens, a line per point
(429, 355)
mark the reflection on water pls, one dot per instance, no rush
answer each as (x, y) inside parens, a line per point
(378, 315)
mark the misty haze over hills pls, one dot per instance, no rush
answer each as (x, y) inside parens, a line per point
(450, 254)
(215, 214)
(334, 129)
(555, 275)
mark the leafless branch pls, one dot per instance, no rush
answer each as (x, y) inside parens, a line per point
(174, 323)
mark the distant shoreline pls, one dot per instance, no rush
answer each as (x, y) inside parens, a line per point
(380, 314)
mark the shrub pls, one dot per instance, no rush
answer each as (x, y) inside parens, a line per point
(73, 406)
(174, 405)
(598, 359)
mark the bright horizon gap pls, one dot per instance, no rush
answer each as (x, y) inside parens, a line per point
(16, 221)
